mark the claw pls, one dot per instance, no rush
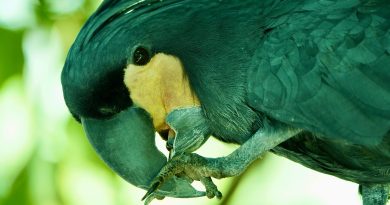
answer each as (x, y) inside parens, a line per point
(153, 188)
(219, 195)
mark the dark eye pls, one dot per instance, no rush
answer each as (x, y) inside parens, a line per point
(141, 56)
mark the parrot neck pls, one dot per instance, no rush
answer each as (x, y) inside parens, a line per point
(160, 87)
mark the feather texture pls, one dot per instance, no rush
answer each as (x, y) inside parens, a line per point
(327, 69)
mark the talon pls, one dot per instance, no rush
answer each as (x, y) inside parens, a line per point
(152, 189)
(218, 195)
(165, 173)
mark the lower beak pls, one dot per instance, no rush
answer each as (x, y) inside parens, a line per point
(126, 143)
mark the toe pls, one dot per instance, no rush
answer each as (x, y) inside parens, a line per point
(211, 189)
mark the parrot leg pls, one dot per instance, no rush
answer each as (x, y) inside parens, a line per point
(375, 194)
(197, 167)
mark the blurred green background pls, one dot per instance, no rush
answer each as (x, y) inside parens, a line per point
(45, 158)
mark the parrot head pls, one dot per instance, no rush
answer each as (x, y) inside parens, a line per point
(134, 61)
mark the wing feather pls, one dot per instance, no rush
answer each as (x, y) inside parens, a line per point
(327, 70)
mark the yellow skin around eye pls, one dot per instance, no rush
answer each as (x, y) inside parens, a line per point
(159, 87)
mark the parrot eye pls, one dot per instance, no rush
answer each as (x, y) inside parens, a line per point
(141, 56)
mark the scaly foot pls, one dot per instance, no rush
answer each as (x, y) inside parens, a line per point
(192, 166)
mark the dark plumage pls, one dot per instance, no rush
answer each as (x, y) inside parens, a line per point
(320, 66)
(325, 68)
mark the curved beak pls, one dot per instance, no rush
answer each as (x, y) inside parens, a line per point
(126, 143)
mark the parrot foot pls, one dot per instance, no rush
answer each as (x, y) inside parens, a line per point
(194, 167)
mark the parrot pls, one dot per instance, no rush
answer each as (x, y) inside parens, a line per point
(307, 80)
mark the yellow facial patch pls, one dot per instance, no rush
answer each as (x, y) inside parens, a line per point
(159, 87)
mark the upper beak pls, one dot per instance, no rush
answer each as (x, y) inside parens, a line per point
(126, 143)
